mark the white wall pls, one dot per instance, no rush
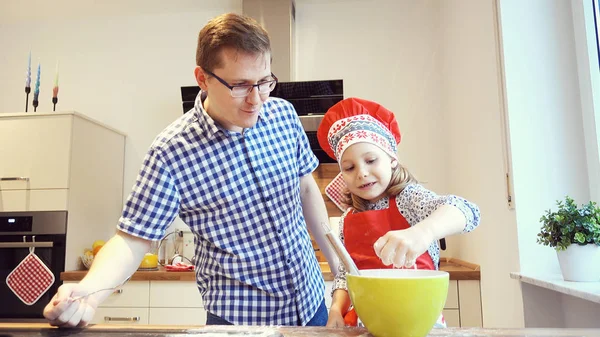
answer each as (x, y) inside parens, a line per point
(548, 141)
(121, 62)
(472, 99)
(542, 94)
(385, 51)
(435, 65)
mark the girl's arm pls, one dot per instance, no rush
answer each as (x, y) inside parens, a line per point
(340, 302)
(434, 217)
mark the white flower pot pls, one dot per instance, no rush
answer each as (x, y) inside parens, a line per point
(580, 263)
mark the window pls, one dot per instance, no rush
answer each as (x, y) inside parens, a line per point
(596, 10)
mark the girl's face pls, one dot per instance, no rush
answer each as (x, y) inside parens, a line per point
(367, 170)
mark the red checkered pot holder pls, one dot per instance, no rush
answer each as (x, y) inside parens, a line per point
(30, 279)
(334, 191)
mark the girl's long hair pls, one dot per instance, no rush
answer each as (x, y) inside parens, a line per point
(400, 178)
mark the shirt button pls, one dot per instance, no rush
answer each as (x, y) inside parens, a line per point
(279, 231)
(288, 261)
(296, 290)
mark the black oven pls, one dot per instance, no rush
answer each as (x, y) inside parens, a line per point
(19, 231)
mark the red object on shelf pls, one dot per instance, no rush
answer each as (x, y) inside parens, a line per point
(179, 267)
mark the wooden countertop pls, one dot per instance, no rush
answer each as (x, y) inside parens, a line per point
(458, 269)
(40, 329)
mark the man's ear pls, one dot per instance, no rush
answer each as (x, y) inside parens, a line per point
(200, 78)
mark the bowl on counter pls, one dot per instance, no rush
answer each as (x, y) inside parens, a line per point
(149, 262)
(398, 302)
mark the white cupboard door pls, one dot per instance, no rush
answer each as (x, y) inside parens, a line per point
(33, 200)
(128, 316)
(452, 299)
(452, 317)
(177, 316)
(36, 149)
(130, 295)
(470, 303)
(175, 294)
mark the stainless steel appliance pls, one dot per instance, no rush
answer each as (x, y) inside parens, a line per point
(16, 238)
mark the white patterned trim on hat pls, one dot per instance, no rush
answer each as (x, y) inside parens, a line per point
(360, 128)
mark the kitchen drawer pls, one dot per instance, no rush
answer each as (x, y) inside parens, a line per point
(174, 294)
(129, 316)
(452, 317)
(452, 299)
(35, 148)
(177, 316)
(33, 200)
(132, 294)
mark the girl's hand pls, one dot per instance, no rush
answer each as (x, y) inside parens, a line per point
(336, 320)
(402, 247)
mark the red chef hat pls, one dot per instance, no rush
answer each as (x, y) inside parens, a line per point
(355, 120)
(351, 121)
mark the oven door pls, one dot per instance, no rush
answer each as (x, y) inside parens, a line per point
(51, 250)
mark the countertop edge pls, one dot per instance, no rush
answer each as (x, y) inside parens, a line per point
(301, 331)
(589, 291)
(458, 270)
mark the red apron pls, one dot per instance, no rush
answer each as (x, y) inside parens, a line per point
(362, 229)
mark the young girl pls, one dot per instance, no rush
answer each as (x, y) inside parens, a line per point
(392, 221)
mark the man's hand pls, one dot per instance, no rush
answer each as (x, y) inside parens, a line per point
(402, 247)
(64, 312)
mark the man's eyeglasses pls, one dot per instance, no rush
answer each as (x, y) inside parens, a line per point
(244, 90)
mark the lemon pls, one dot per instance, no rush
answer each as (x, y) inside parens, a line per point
(97, 243)
(149, 261)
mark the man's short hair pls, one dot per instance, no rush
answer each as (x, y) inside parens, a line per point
(240, 32)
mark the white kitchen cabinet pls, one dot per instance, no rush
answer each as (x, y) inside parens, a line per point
(126, 305)
(121, 316)
(452, 298)
(176, 302)
(175, 294)
(63, 161)
(153, 302)
(132, 294)
(37, 148)
(177, 316)
(470, 303)
(452, 317)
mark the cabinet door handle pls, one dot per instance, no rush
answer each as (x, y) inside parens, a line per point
(14, 178)
(121, 319)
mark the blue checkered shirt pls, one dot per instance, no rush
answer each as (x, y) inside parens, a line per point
(240, 195)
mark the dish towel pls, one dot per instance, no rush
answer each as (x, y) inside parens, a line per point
(181, 266)
(30, 279)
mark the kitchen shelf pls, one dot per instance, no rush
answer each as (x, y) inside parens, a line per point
(589, 291)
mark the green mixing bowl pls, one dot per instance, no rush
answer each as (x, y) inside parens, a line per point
(398, 302)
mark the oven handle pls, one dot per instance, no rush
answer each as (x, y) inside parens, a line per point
(14, 178)
(26, 244)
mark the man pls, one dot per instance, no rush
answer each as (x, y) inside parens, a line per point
(237, 170)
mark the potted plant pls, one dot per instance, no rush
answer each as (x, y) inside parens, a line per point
(574, 232)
